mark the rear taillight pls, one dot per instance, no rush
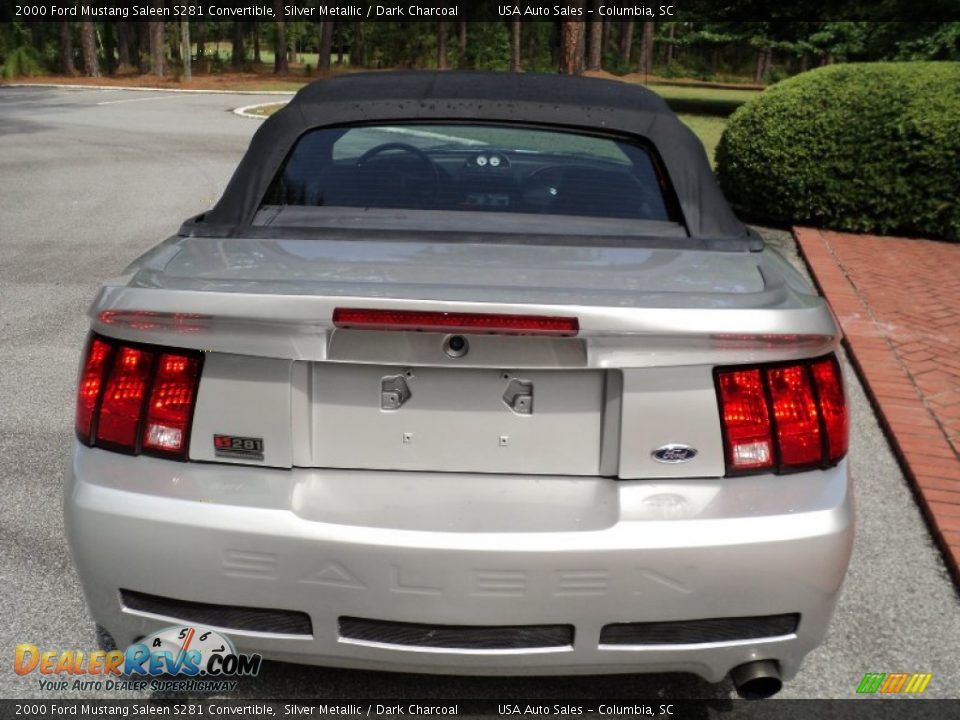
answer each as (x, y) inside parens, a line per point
(795, 416)
(137, 398)
(746, 420)
(121, 405)
(833, 406)
(783, 417)
(171, 403)
(88, 390)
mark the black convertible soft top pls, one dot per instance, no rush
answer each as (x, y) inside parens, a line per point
(585, 104)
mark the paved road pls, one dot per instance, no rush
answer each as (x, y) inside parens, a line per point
(89, 180)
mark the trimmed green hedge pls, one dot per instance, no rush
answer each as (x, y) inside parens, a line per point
(863, 147)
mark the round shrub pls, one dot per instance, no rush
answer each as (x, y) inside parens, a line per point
(863, 147)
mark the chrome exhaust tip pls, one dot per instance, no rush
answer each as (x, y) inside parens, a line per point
(757, 680)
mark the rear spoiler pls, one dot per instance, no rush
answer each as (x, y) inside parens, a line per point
(197, 227)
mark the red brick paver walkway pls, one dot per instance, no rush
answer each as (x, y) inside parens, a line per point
(898, 302)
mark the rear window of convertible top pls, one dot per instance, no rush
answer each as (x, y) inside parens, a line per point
(473, 167)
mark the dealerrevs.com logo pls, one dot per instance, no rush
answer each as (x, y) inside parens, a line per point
(184, 658)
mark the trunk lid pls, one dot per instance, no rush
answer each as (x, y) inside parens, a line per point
(654, 322)
(275, 298)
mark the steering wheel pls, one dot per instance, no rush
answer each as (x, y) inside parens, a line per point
(423, 160)
(387, 147)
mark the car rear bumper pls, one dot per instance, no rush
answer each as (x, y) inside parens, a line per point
(468, 551)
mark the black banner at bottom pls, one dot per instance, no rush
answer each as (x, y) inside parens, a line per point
(859, 709)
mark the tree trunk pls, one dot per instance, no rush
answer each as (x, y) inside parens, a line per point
(595, 56)
(200, 33)
(571, 46)
(442, 45)
(38, 37)
(673, 32)
(515, 63)
(463, 38)
(123, 45)
(607, 37)
(143, 59)
(88, 44)
(108, 42)
(280, 65)
(626, 41)
(356, 48)
(645, 66)
(185, 50)
(582, 44)
(239, 51)
(157, 50)
(762, 68)
(66, 49)
(326, 40)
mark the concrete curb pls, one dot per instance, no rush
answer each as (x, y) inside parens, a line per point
(245, 111)
(151, 89)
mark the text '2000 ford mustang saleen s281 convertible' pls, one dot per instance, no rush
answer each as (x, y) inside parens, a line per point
(468, 373)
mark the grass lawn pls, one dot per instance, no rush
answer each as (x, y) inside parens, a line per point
(306, 58)
(708, 128)
(701, 100)
(224, 50)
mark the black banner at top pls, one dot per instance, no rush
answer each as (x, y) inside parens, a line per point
(480, 10)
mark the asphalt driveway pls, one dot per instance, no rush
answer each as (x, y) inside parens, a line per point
(89, 179)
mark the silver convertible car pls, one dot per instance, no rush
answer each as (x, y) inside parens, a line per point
(468, 373)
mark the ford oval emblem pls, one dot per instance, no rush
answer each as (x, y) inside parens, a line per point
(674, 453)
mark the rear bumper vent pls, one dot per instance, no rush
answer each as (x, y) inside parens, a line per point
(458, 637)
(688, 632)
(229, 617)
